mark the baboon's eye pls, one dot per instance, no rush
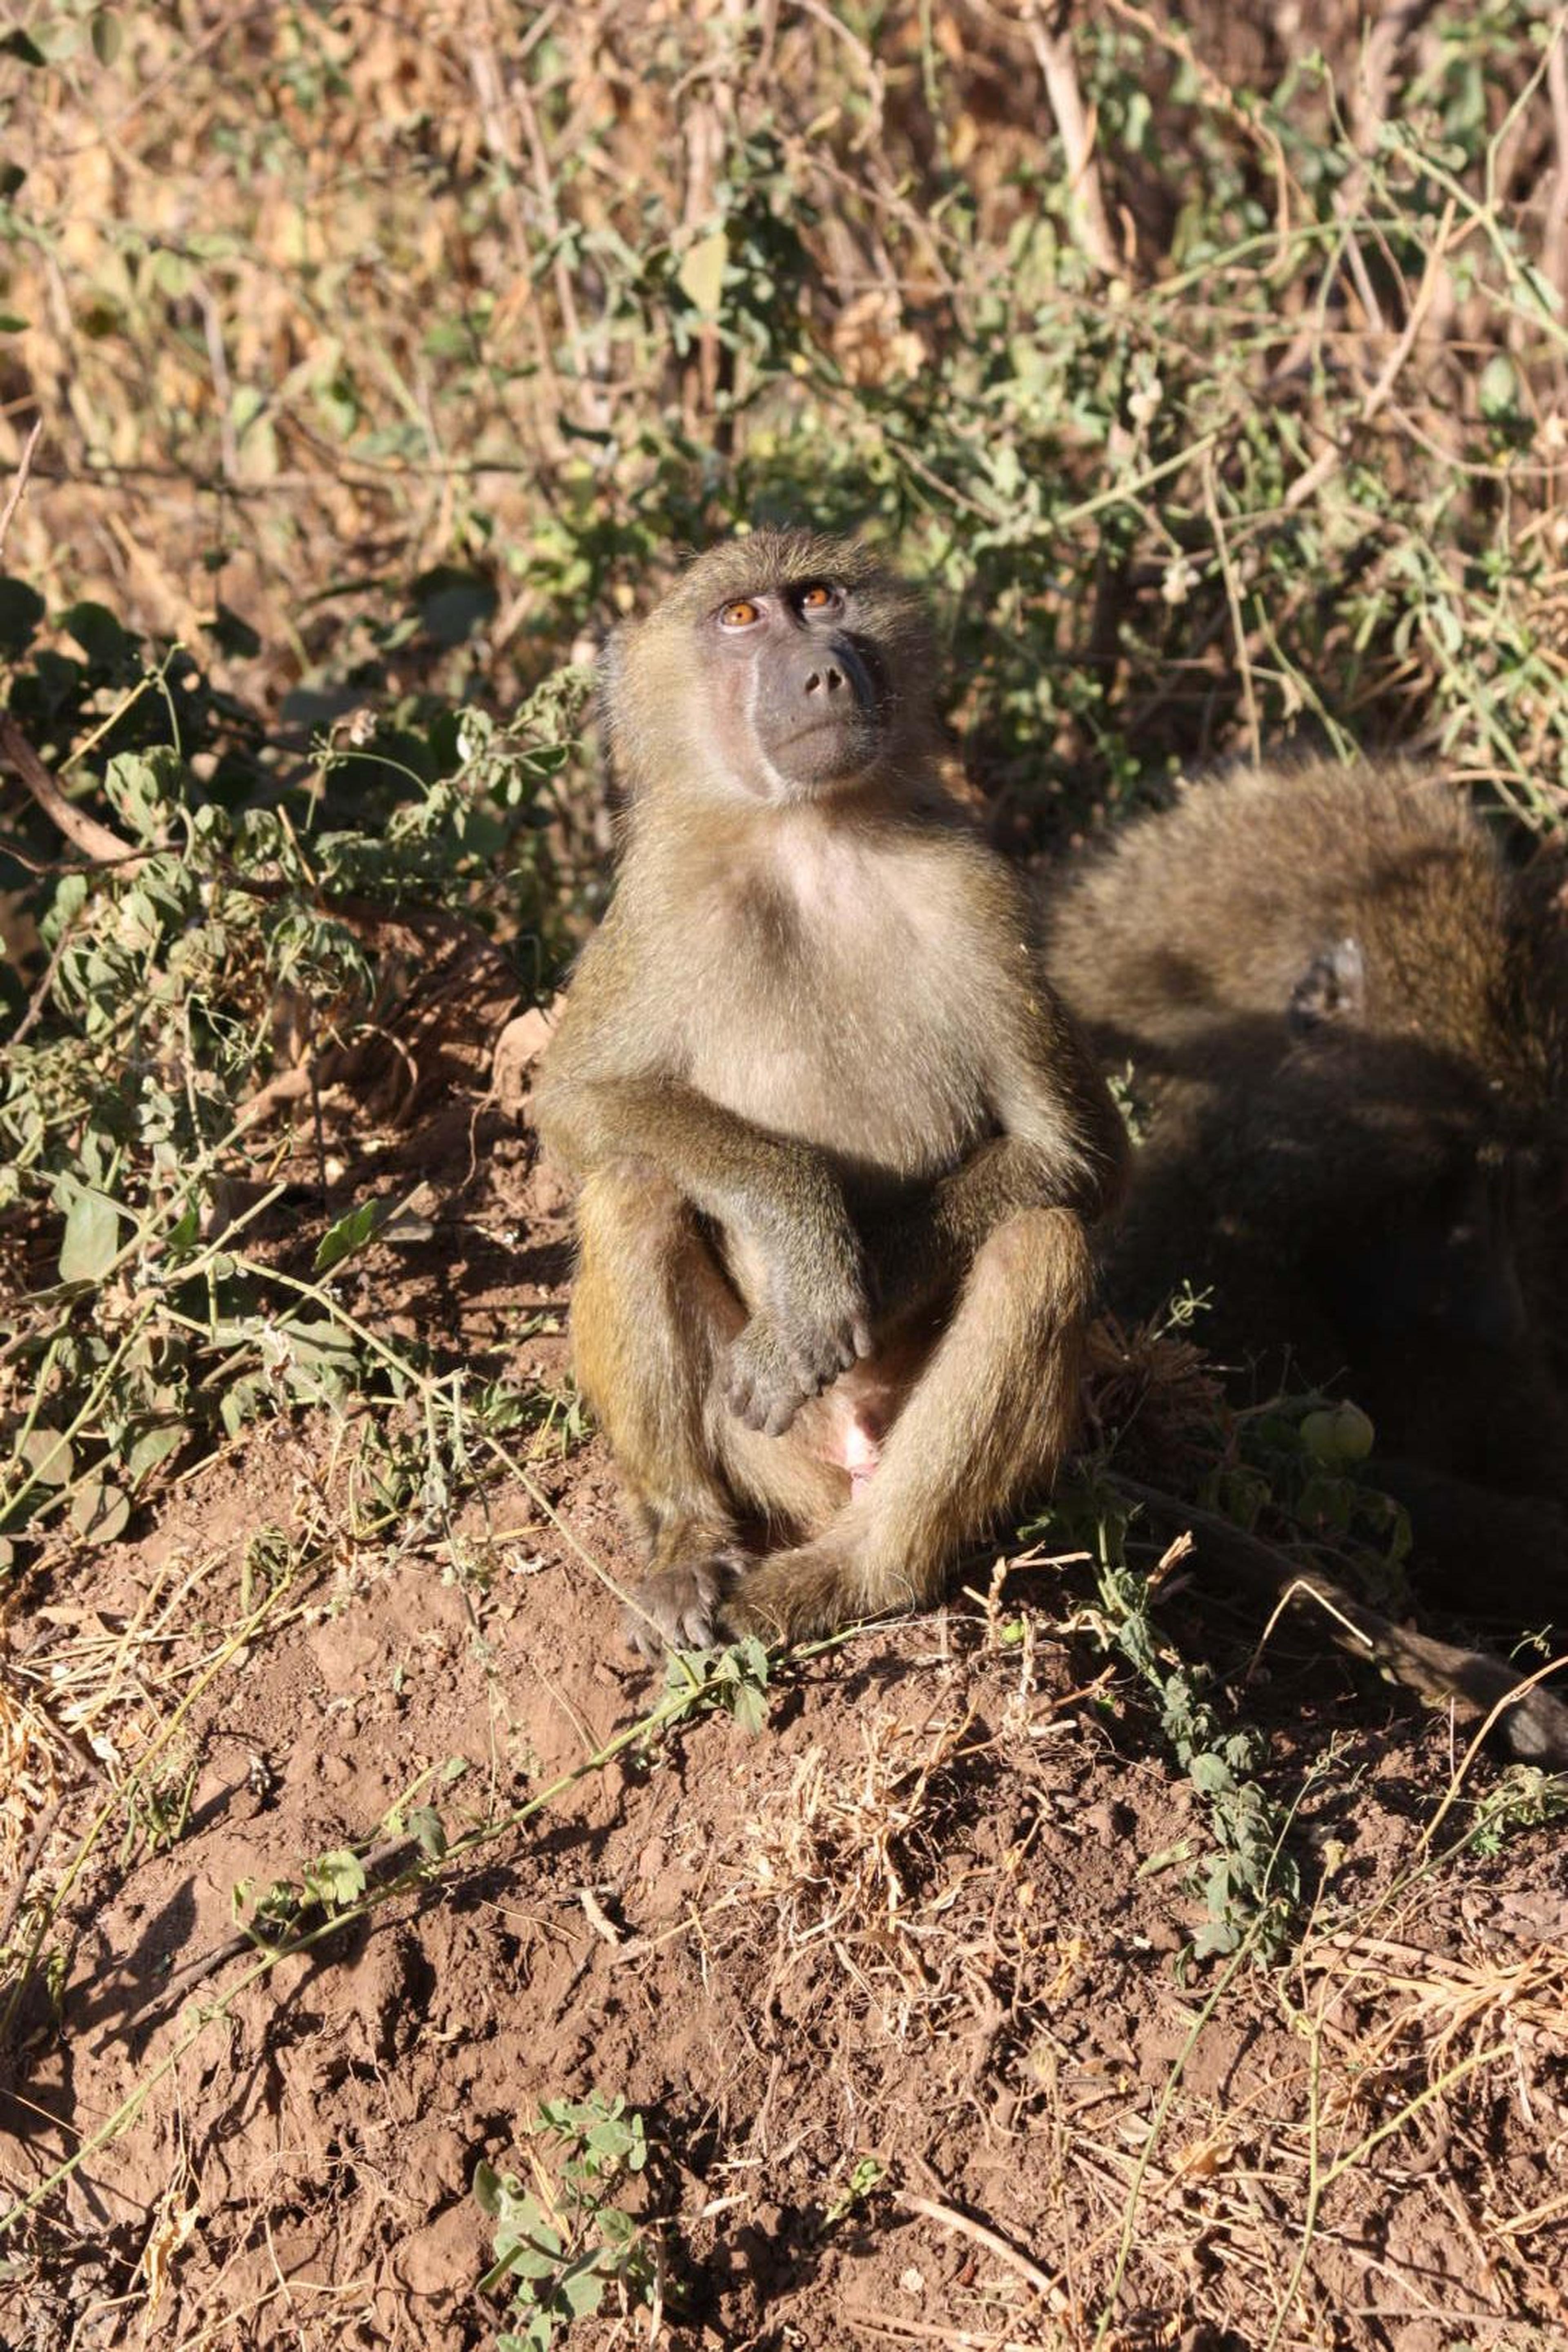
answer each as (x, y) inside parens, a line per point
(741, 614)
(818, 598)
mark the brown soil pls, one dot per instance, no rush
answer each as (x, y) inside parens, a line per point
(935, 1914)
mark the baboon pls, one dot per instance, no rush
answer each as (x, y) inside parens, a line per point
(1346, 1014)
(840, 1146)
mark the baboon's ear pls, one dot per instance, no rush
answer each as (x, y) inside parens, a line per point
(1331, 988)
(607, 708)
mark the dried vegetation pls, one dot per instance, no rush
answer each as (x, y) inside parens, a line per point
(1007, 1980)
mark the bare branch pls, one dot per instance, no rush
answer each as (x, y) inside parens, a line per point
(20, 484)
(1533, 1722)
(1086, 203)
(83, 832)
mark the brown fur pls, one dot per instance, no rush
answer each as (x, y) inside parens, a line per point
(1347, 1017)
(838, 1140)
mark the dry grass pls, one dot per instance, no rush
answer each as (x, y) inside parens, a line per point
(1217, 399)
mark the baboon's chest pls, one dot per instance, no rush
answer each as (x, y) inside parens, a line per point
(836, 1004)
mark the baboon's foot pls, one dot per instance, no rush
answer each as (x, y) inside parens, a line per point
(814, 1588)
(676, 1608)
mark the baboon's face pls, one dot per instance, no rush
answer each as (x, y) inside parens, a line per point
(783, 667)
(797, 698)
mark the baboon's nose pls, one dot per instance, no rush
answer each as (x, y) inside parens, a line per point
(824, 681)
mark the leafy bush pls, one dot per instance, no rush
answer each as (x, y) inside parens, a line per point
(561, 2246)
(235, 932)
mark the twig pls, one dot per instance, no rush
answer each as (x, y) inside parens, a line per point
(23, 469)
(550, 217)
(923, 2331)
(1308, 484)
(1233, 602)
(222, 382)
(1557, 207)
(41, 1828)
(993, 2241)
(374, 1863)
(40, 995)
(1087, 215)
(83, 832)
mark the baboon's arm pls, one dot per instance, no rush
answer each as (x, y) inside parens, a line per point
(811, 1319)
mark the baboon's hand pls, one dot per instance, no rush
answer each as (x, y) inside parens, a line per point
(781, 1359)
(816, 1317)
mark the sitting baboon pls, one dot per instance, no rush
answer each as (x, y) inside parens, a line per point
(1345, 1011)
(840, 1145)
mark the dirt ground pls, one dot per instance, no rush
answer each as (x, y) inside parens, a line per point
(900, 1982)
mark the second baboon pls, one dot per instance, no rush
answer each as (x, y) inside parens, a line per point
(839, 1145)
(1346, 1014)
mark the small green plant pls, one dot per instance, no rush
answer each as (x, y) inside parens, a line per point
(1249, 1887)
(561, 2244)
(866, 2174)
(1302, 1461)
(1525, 1798)
(738, 1681)
(331, 1883)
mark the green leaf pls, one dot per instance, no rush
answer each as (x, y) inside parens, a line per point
(18, 45)
(233, 634)
(185, 1233)
(750, 1707)
(429, 1831)
(48, 1457)
(21, 610)
(140, 786)
(107, 38)
(153, 1445)
(238, 1403)
(452, 603)
(1497, 391)
(172, 273)
(338, 1879)
(317, 1355)
(100, 1511)
(581, 2288)
(350, 1233)
(91, 1238)
(100, 637)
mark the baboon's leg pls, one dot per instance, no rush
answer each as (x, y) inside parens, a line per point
(986, 1425)
(652, 1312)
